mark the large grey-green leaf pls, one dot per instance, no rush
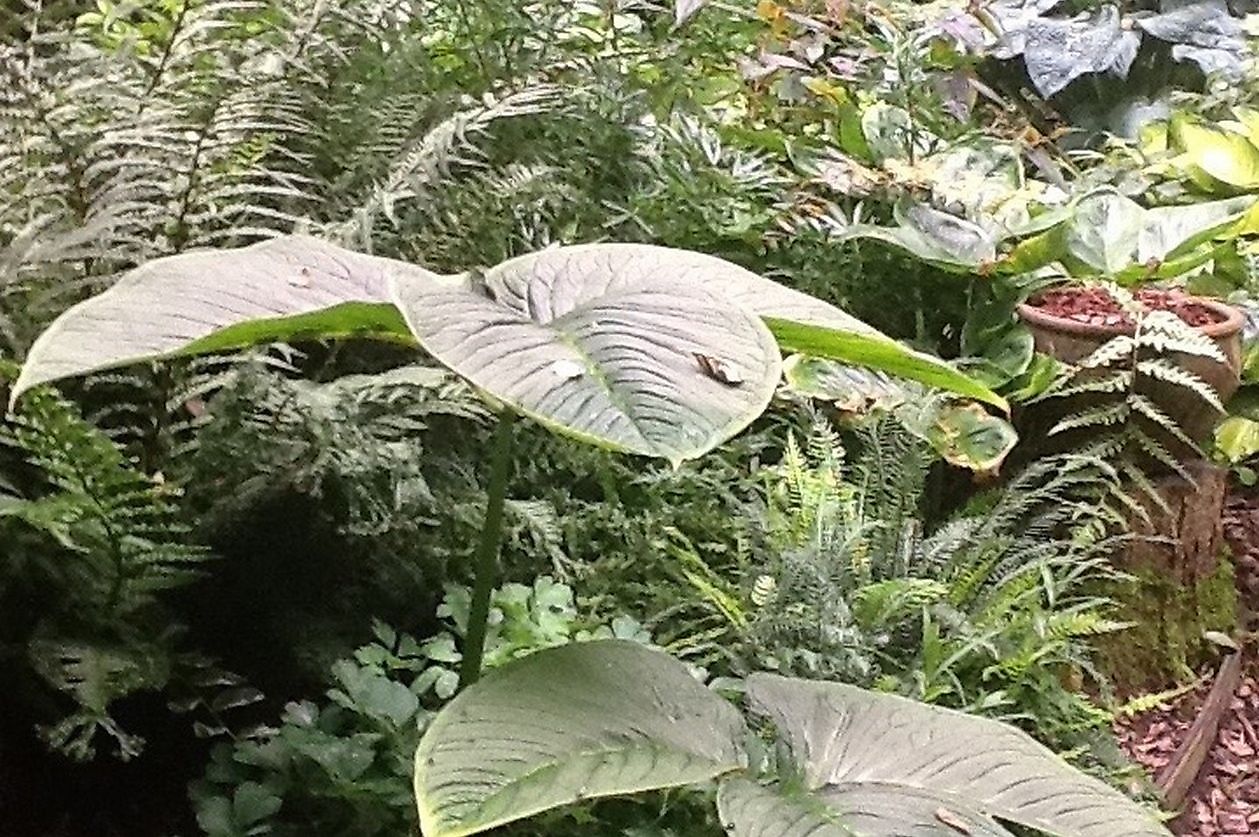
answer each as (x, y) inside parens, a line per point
(751, 810)
(545, 284)
(1059, 51)
(570, 723)
(1104, 230)
(222, 299)
(1204, 32)
(936, 237)
(618, 346)
(638, 326)
(1111, 234)
(869, 754)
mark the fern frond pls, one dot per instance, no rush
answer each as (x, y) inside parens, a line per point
(1105, 415)
(1147, 408)
(1168, 372)
(1165, 332)
(1113, 351)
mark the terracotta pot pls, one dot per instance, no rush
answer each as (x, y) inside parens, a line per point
(1071, 341)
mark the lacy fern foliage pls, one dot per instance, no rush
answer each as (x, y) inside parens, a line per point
(101, 543)
(1125, 401)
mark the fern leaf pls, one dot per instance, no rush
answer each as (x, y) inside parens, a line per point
(1166, 371)
(1106, 415)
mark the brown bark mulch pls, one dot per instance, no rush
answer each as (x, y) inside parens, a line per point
(1224, 800)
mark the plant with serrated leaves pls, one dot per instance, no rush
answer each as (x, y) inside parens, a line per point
(96, 545)
(343, 764)
(987, 611)
(699, 192)
(1121, 402)
(609, 718)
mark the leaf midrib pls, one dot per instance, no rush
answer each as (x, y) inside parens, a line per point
(557, 763)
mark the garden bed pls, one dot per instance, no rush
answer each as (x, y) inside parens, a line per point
(1223, 801)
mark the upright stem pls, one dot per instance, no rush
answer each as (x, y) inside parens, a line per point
(487, 552)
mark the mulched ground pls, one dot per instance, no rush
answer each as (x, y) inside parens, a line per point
(1094, 306)
(1224, 801)
(1241, 529)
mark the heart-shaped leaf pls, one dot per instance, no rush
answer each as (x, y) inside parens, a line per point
(620, 346)
(1224, 156)
(936, 237)
(640, 348)
(1103, 232)
(879, 764)
(216, 300)
(751, 810)
(1059, 51)
(576, 722)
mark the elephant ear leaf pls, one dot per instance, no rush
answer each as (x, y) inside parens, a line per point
(617, 345)
(880, 764)
(577, 722)
(818, 327)
(215, 300)
(749, 809)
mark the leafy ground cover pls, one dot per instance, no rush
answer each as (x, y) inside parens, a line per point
(353, 348)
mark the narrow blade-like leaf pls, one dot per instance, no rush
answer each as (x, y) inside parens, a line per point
(882, 353)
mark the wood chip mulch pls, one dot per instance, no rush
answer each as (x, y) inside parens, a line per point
(1224, 801)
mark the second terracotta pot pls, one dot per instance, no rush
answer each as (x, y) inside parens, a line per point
(1070, 341)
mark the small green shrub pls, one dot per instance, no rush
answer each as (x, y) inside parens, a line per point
(989, 611)
(342, 765)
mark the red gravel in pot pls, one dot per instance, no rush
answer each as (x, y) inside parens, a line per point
(1093, 306)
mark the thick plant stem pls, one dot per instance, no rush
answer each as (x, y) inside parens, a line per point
(487, 552)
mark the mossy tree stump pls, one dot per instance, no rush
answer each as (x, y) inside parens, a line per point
(1180, 583)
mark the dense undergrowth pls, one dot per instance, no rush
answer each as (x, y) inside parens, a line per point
(248, 573)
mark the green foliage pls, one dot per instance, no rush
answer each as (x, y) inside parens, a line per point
(987, 611)
(455, 135)
(343, 764)
(963, 434)
(612, 717)
(99, 545)
(1128, 400)
(1168, 618)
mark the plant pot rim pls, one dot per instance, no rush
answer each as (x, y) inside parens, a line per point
(1230, 322)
